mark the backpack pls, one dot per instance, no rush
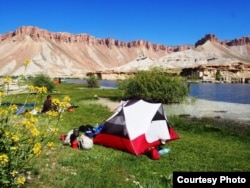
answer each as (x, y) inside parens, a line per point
(71, 136)
(84, 142)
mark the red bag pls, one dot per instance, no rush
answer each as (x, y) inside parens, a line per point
(154, 154)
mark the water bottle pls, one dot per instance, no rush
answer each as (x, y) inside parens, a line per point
(164, 151)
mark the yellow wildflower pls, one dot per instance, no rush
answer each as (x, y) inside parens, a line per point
(31, 88)
(13, 107)
(55, 101)
(53, 130)
(37, 149)
(21, 180)
(28, 123)
(7, 133)
(4, 159)
(3, 112)
(33, 119)
(35, 132)
(44, 89)
(1, 94)
(66, 99)
(51, 144)
(63, 104)
(14, 173)
(52, 113)
(15, 138)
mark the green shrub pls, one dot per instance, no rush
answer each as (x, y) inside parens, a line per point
(155, 86)
(42, 80)
(92, 82)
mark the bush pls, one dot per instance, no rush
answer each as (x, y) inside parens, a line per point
(92, 82)
(154, 86)
(42, 80)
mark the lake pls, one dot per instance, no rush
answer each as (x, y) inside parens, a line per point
(224, 92)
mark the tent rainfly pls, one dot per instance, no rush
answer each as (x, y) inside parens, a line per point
(136, 126)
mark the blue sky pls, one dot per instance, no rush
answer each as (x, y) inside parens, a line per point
(168, 22)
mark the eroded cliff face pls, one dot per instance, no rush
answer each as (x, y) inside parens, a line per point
(35, 33)
(68, 54)
(65, 54)
(235, 42)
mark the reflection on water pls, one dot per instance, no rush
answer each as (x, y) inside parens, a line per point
(234, 93)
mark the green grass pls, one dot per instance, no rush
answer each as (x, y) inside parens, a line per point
(204, 145)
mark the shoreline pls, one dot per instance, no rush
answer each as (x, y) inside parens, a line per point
(199, 108)
(213, 109)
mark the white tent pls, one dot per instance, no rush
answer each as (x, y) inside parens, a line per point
(135, 126)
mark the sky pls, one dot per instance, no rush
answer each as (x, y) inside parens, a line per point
(167, 22)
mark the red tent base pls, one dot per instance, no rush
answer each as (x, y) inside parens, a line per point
(137, 146)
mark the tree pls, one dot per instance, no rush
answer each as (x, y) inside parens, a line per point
(154, 86)
(92, 82)
(42, 80)
(218, 75)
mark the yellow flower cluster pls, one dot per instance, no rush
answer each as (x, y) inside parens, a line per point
(21, 180)
(3, 112)
(24, 136)
(51, 144)
(37, 89)
(28, 124)
(65, 102)
(61, 105)
(52, 113)
(53, 130)
(37, 148)
(13, 108)
(4, 159)
(15, 137)
(35, 132)
(55, 101)
(33, 119)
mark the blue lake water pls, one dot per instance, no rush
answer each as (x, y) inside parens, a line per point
(234, 93)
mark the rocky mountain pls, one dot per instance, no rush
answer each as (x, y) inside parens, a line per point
(64, 54)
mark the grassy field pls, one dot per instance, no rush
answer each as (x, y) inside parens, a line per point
(204, 145)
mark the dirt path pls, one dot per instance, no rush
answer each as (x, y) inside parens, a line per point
(110, 104)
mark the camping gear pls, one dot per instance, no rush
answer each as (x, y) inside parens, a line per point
(74, 144)
(63, 136)
(71, 136)
(21, 110)
(84, 142)
(67, 141)
(71, 109)
(164, 151)
(77, 137)
(135, 126)
(154, 154)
